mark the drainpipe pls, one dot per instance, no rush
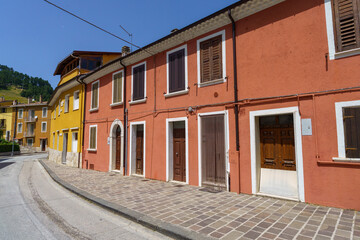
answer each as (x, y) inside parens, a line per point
(236, 109)
(125, 121)
(83, 117)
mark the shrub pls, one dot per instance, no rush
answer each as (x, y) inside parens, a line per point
(6, 146)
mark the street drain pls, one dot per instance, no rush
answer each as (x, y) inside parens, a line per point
(209, 190)
(179, 186)
(144, 180)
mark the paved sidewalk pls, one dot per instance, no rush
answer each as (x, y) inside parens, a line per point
(188, 212)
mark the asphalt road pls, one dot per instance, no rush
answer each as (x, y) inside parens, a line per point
(33, 206)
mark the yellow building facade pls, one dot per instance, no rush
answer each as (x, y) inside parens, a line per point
(6, 123)
(67, 105)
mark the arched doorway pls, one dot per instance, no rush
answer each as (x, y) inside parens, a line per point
(116, 139)
(118, 149)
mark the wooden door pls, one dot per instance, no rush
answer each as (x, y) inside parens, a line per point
(213, 151)
(179, 171)
(277, 142)
(139, 151)
(118, 149)
(43, 142)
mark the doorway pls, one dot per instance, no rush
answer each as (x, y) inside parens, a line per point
(116, 140)
(118, 148)
(137, 147)
(213, 149)
(43, 145)
(64, 152)
(276, 155)
(177, 150)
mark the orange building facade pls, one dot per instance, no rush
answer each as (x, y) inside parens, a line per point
(261, 97)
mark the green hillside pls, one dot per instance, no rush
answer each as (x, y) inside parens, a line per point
(13, 93)
(13, 83)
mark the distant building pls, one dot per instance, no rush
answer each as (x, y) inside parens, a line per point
(32, 121)
(66, 105)
(6, 124)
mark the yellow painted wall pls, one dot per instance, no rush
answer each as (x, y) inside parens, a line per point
(109, 57)
(66, 122)
(70, 75)
(8, 122)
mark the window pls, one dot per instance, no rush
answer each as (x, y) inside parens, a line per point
(95, 95)
(29, 142)
(3, 110)
(53, 140)
(44, 112)
(117, 87)
(55, 112)
(7, 135)
(92, 139)
(177, 70)
(30, 129)
(43, 126)
(58, 140)
(138, 82)
(211, 59)
(74, 142)
(20, 126)
(347, 24)
(348, 130)
(31, 113)
(59, 106)
(66, 103)
(21, 113)
(76, 100)
(90, 63)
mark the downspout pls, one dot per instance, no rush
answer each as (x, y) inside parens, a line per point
(236, 109)
(83, 107)
(125, 121)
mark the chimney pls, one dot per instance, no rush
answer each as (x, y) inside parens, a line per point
(29, 100)
(125, 50)
(15, 102)
(40, 99)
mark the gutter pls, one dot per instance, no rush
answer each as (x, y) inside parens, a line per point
(125, 120)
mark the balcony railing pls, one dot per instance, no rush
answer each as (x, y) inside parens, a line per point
(30, 119)
(29, 134)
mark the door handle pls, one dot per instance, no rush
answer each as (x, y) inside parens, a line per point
(177, 154)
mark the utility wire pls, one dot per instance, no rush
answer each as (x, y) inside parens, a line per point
(92, 24)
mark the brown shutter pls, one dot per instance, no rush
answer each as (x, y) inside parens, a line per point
(92, 137)
(138, 82)
(94, 99)
(346, 14)
(211, 59)
(177, 71)
(117, 88)
(352, 132)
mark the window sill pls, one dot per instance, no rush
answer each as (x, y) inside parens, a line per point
(92, 150)
(116, 104)
(212, 82)
(137, 101)
(347, 53)
(173, 94)
(75, 109)
(94, 110)
(339, 159)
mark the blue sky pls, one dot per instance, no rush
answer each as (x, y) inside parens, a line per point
(35, 36)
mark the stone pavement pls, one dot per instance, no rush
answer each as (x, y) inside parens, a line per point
(193, 213)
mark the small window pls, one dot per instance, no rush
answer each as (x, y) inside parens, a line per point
(30, 142)
(20, 126)
(44, 112)
(95, 95)
(347, 24)
(92, 140)
(139, 82)
(43, 126)
(58, 140)
(21, 113)
(76, 100)
(66, 103)
(53, 140)
(177, 79)
(59, 106)
(211, 59)
(348, 129)
(3, 110)
(117, 87)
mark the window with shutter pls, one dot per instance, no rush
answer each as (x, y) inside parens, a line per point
(92, 142)
(66, 109)
(346, 18)
(95, 95)
(211, 65)
(117, 87)
(138, 82)
(176, 74)
(351, 118)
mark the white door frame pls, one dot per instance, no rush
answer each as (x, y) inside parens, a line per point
(131, 165)
(112, 137)
(227, 140)
(255, 150)
(168, 157)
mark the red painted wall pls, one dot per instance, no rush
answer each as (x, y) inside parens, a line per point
(280, 51)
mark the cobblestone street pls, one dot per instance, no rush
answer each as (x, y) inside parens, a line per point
(219, 215)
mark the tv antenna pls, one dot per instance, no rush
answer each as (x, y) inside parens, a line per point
(130, 35)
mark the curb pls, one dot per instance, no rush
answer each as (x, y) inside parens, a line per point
(147, 221)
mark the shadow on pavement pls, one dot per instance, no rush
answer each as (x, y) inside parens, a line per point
(5, 164)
